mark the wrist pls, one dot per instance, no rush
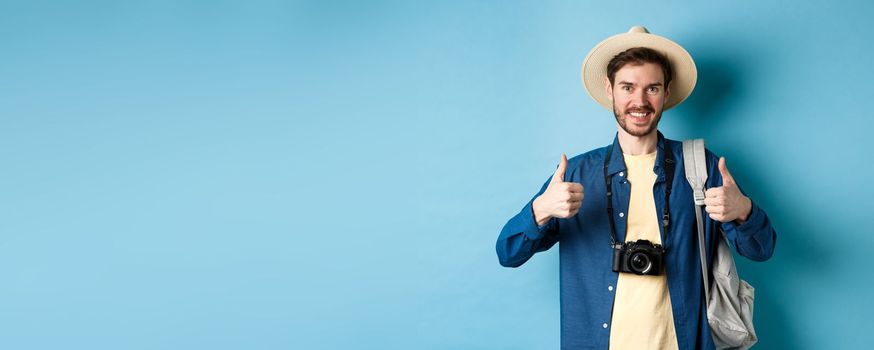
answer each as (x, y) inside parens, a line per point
(746, 211)
(540, 218)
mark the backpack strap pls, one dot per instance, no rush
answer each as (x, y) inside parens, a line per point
(696, 173)
(696, 168)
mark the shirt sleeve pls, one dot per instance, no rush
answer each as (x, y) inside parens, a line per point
(754, 239)
(521, 237)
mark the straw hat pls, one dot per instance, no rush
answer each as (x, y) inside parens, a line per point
(595, 65)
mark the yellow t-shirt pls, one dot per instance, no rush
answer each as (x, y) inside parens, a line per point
(642, 316)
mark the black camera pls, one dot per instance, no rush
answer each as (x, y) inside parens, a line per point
(640, 257)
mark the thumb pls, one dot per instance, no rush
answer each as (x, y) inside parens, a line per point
(726, 176)
(559, 173)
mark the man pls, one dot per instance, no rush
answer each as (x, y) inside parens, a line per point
(634, 306)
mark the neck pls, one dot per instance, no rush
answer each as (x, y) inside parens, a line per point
(638, 145)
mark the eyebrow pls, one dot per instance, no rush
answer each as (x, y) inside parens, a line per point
(629, 83)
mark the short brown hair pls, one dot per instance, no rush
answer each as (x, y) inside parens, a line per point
(638, 56)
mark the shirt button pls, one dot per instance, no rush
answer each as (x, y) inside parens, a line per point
(610, 288)
(621, 215)
(604, 325)
(621, 173)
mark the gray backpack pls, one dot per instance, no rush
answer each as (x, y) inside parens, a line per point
(730, 305)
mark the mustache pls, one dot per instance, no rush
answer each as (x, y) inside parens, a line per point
(644, 109)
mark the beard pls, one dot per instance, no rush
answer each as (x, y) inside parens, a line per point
(634, 130)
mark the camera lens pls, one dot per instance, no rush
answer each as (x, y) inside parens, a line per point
(640, 263)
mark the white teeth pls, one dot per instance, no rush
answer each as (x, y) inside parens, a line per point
(638, 115)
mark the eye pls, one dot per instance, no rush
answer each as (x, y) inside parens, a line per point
(626, 87)
(653, 89)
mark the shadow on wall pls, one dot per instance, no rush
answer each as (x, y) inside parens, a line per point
(723, 80)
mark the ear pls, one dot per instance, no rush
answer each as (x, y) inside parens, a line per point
(608, 88)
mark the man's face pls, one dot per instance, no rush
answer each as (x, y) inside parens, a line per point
(638, 96)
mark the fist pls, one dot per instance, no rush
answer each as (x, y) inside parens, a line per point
(726, 203)
(560, 199)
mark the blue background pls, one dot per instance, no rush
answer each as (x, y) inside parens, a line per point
(333, 175)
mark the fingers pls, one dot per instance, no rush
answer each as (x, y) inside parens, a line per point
(715, 209)
(574, 207)
(723, 170)
(569, 211)
(569, 205)
(574, 187)
(716, 212)
(559, 173)
(572, 198)
(564, 197)
(714, 192)
(570, 187)
(714, 201)
(718, 217)
(576, 196)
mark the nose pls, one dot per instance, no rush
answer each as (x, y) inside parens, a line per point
(638, 98)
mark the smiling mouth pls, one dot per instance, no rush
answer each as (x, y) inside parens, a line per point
(639, 117)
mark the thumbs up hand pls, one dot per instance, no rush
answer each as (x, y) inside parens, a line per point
(560, 199)
(726, 203)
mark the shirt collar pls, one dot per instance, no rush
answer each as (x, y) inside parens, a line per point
(617, 159)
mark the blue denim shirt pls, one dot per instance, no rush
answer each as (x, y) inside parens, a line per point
(587, 279)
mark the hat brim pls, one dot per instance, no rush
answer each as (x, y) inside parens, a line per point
(685, 74)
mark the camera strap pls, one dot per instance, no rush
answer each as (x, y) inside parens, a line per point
(668, 166)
